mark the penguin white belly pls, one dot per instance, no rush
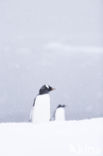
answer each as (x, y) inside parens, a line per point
(60, 114)
(41, 110)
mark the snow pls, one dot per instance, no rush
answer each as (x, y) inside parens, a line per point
(67, 138)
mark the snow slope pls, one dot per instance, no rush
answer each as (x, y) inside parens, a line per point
(68, 138)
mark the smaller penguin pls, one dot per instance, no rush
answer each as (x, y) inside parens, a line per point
(41, 106)
(60, 113)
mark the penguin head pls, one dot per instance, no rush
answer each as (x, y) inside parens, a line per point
(61, 106)
(45, 89)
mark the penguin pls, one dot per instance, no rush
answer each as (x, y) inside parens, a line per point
(60, 113)
(41, 106)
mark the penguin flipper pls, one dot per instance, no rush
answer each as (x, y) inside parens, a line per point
(34, 102)
(30, 117)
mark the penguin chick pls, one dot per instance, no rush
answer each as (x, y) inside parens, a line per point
(60, 113)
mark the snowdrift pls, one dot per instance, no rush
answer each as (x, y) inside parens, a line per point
(68, 138)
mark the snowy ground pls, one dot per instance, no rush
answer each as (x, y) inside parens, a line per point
(69, 138)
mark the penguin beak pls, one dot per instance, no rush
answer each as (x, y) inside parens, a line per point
(52, 88)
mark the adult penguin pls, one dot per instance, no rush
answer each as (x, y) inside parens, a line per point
(41, 106)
